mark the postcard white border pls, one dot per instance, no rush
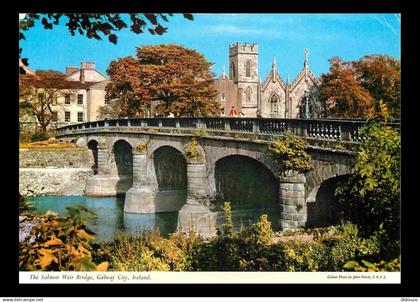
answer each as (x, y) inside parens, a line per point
(209, 277)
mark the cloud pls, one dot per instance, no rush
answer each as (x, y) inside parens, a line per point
(383, 21)
(233, 29)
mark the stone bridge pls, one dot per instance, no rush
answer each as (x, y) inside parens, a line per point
(155, 164)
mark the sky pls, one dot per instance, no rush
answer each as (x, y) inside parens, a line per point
(280, 36)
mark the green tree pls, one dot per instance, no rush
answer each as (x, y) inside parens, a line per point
(163, 78)
(371, 197)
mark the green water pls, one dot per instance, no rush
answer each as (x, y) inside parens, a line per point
(111, 221)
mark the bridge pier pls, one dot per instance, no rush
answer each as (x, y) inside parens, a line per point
(292, 201)
(140, 198)
(195, 216)
(103, 183)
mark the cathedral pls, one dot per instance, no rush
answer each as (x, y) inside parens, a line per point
(275, 98)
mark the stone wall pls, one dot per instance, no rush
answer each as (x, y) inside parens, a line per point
(57, 158)
(50, 181)
(54, 171)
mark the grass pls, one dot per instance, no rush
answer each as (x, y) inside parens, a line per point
(48, 144)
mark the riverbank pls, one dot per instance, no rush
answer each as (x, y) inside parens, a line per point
(54, 171)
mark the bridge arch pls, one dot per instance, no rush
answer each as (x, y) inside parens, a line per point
(322, 206)
(122, 164)
(93, 146)
(249, 186)
(170, 168)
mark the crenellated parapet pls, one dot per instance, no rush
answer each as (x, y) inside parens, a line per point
(239, 48)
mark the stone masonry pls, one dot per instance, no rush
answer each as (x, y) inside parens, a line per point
(292, 201)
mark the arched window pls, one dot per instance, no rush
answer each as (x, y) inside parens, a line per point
(232, 71)
(274, 103)
(248, 94)
(248, 68)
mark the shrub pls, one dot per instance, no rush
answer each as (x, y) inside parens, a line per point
(61, 244)
(192, 152)
(381, 266)
(371, 196)
(39, 136)
(289, 153)
(148, 252)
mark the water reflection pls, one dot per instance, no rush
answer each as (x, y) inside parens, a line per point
(111, 221)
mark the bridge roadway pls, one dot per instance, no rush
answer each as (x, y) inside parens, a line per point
(146, 159)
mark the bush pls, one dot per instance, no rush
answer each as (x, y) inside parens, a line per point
(192, 152)
(39, 136)
(289, 153)
(371, 197)
(60, 244)
(149, 252)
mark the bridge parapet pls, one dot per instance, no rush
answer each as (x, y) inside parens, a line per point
(337, 130)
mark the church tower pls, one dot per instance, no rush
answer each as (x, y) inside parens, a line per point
(243, 71)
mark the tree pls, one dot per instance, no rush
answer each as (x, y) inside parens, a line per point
(371, 196)
(93, 26)
(38, 95)
(380, 75)
(341, 92)
(163, 78)
(355, 88)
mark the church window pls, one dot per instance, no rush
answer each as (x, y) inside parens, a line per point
(274, 103)
(248, 69)
(248, 93)
(223, 96)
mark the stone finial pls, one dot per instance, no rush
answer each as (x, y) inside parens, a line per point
(224, 73)
(306, 52)
(273, 66)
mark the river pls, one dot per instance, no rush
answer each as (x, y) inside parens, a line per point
(110, 221)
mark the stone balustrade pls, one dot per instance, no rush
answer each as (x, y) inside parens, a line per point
(345, 130)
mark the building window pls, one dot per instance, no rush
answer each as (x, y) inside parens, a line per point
(223, 96)
(54, 116)
(67, 116)
(80, 99)
(67, 99)
(274, 104)
(80, 116)
(248, 93)
(248, 69)
(107, 100)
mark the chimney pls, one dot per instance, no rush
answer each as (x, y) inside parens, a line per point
(85, 66)
(82, 75)
(71, 69)
(88, 65)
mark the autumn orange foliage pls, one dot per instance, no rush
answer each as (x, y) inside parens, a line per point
(162, 79)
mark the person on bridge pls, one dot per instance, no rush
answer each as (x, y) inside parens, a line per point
(233, 112)
(171, 114)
